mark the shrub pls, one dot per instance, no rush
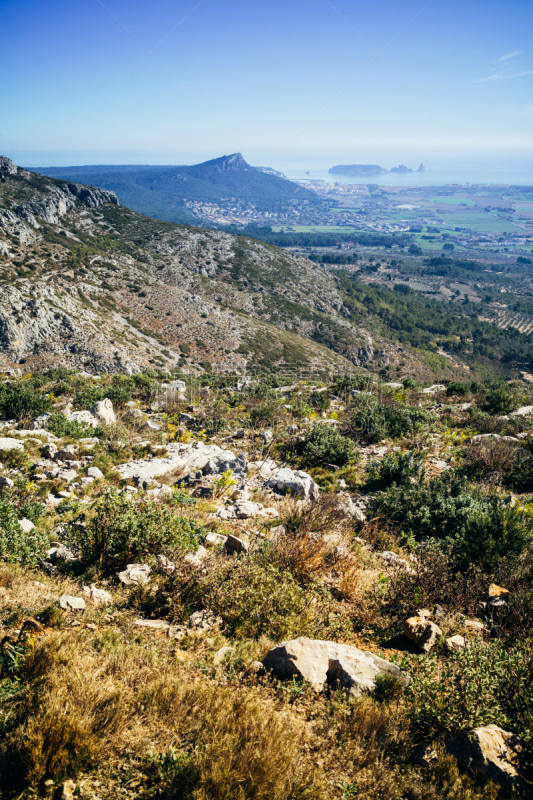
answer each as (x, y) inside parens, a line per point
(325, 445)
(61, 426)
(478, 528)
(458, 388)
(15, 545)
(395, 468)
(123, 531)
(501, 401)
(478, 686)
(19, 401)
(374, 421)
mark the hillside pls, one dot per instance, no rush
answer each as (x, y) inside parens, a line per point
(160, 192)
(102, 288)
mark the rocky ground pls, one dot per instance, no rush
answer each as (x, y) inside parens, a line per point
(248, 589)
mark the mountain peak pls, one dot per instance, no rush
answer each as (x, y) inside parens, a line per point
(226, 163)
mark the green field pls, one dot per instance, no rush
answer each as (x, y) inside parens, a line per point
(452, 201)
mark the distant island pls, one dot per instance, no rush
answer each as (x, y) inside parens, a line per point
(369, 169)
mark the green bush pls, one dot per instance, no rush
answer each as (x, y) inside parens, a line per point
(20, 401)
(395, 468)
(375, 421)
(477, 528)
(501, 401)
(61, 426)
(122, 531)
(325, 445)
(15, 545)
(87, 397)
(479, 685)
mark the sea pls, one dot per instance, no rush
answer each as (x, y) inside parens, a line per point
(492, 169)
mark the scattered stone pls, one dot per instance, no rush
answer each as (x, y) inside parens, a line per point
(203, 621)
(6, 483)
(422, 632)
(164, 565)
(99, 597)
(91, 626)
(103, 412)
(135, 574)
(153, 624)
(83, 417)
(39, 422)
(11, 444)
(67, 475)
(61, 552)
(395, 561)
(69, 603)
(456, 642)
(215, 540)
(474, 625)
(295, 482)
(235, 545)
(497, 755)
(49, 450)
(323, 663)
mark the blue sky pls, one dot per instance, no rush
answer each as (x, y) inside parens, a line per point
(130, 81)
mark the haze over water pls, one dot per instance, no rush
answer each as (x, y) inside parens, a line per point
(496, 168)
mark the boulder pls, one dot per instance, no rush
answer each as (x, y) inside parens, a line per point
(215, 540)
(26, 525)
(11, 444)
(6, 483)
(67, 453)
(235, 545)
(99, 597)
(39, 422)
(456, 642)
(297, 482)
(83, 417)
(135, 574)
(49, 450)
(422, 632)
(103, 411)
(323, 663)
(69, 603)
(495, 754)
(186, 458)
(94, 472)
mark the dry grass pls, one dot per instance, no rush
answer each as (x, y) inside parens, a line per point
(94, 698)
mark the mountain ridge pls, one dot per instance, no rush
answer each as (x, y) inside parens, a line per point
(163, 191)
(92, 284)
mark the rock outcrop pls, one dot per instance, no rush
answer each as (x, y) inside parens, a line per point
(497, 755)
(324, 663)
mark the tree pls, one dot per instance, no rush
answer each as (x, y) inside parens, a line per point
(448, 246)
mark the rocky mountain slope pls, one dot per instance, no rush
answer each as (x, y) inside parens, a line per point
(88, 283)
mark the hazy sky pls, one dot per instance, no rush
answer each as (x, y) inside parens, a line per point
(131, 81)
